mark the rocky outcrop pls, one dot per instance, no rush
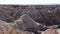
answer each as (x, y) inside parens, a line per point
(8, 28)
(50, 31)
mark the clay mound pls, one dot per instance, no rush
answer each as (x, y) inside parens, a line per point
(25, 22)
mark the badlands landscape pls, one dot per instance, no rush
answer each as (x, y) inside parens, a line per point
(29, 19)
